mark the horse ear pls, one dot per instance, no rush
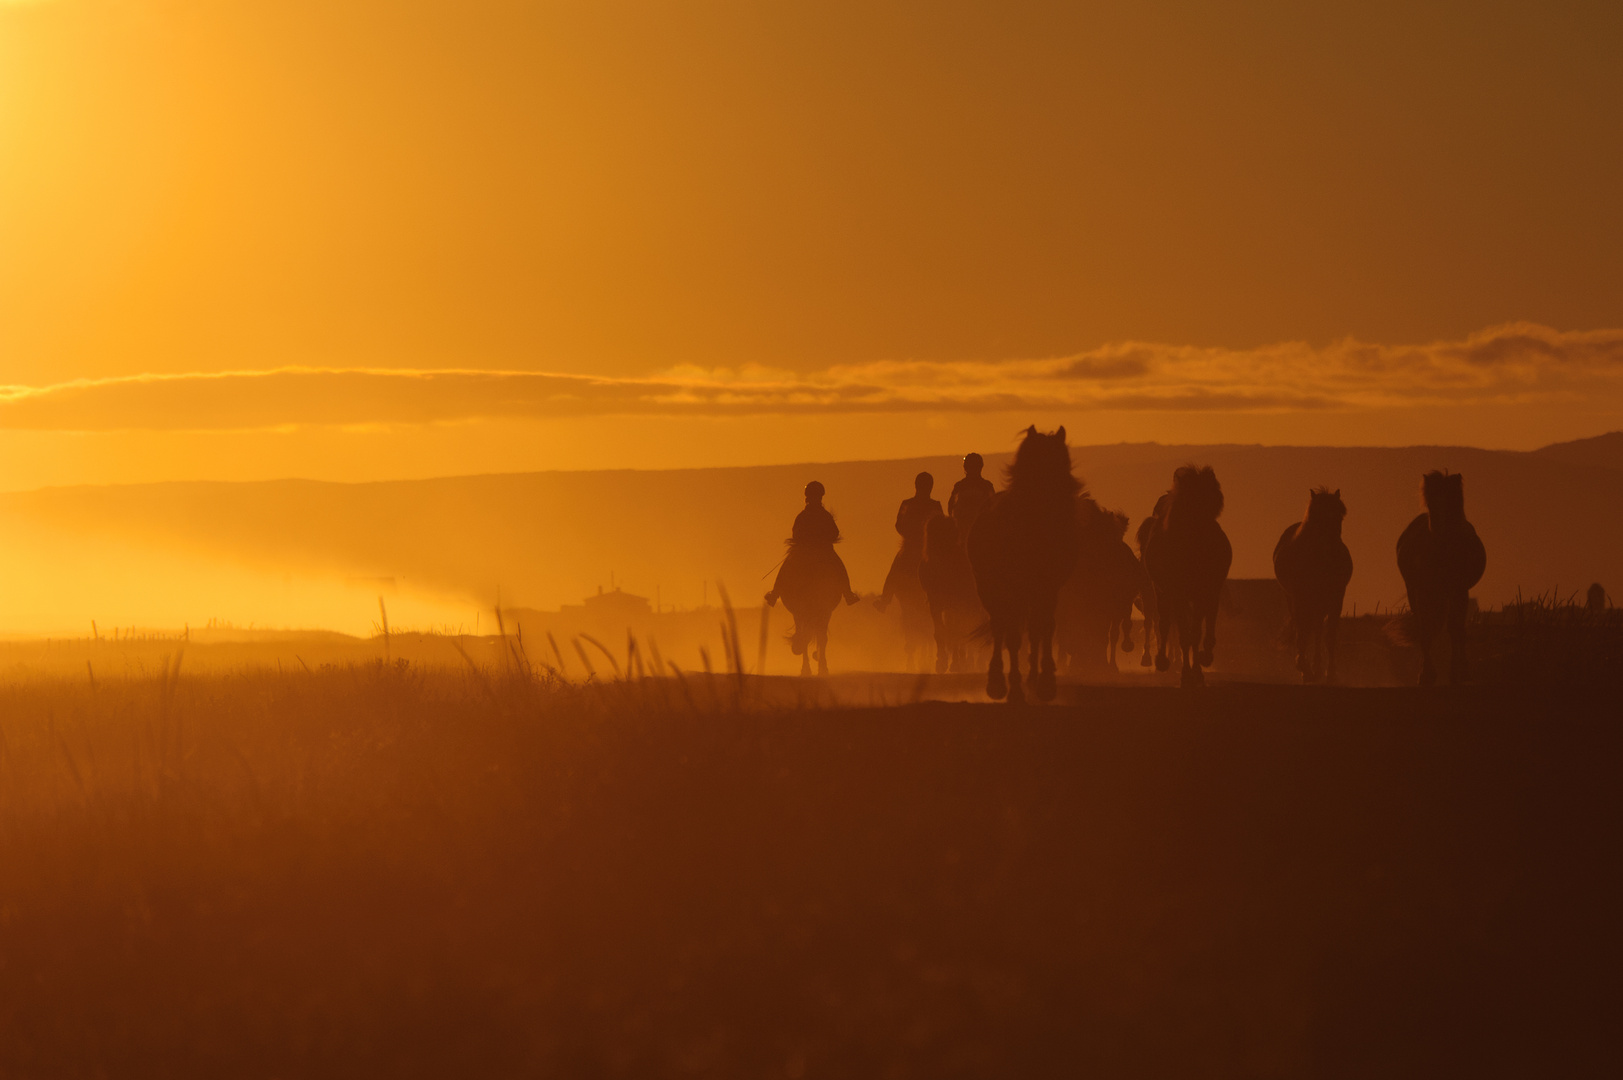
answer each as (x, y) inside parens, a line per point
(1061, 433)
(1338, 493)
(1032, 430)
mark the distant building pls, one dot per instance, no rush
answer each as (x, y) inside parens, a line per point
(613, 607)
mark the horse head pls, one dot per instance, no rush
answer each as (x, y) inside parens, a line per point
(1043, 464)
(1196, 494)
(1325, 510)
(1443, 493)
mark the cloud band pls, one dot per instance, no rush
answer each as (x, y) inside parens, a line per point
(1517, 362)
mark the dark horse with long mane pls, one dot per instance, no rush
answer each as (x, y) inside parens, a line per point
(1096, 604)
(1187, 555)
(1441, 558)
(1022, 549)
(1314, 566)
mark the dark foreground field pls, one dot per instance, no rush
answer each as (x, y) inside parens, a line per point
(386, 871)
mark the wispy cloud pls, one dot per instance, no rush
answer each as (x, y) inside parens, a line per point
(1517, 362)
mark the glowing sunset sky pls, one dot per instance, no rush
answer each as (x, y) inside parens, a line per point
(353, 239)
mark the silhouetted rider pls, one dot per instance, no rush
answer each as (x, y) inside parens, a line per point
(970, 496)
(910, 519)
(811, 548)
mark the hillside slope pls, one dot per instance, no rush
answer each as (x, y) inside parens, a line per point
(1602, 451)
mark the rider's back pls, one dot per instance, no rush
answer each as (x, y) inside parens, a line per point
(814, 525)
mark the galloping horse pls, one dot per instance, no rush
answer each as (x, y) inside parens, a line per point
(949, 583)
(1096, 603)
(1022, 550)
(1314, 566)
(902, 583)
(811, 598)
(812, 580)
(1187, 555)
(1441, 558)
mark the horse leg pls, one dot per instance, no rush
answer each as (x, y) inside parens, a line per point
(1034, 654)
(996, 685)
(805, 662)
(1188, 644)
(1146, 658)
(1332, 625)
(1017, 692)
(1206, 614)
(1163, 626)
(1299, 632)
(1043, 683)
(822, 651)
(1456, 640)
(1427, 629)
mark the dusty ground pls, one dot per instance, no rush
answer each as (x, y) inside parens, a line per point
(386, 871)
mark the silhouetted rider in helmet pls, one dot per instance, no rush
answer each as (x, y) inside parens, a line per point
(970, 496)
(811, 547)
(910, 519)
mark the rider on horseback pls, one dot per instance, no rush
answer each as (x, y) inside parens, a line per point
(910, 520)
(811, 547)
(970, 496)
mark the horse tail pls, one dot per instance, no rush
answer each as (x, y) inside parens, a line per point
(1403, 629)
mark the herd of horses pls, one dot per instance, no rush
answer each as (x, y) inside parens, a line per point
(1045, 568)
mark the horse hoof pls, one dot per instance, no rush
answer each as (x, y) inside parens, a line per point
(1146, 660)
(1017, 695)
(1162, 663)
(1192, 676)
(1043, 688)
(1204, 658)
(996, 686)
(1126, 644)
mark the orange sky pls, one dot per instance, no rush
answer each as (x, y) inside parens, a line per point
(772, 232)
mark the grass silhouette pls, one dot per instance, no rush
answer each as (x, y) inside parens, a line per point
(491, 870)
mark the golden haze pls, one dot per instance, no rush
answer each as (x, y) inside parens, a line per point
(750, 235)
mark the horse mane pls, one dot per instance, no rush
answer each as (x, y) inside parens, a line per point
(1148, 526)
(1325, 510)
(1097, 521)
(1443, 493)
(1195, 496)
(1041, 469)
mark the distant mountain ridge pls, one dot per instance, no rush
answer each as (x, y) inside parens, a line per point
(1551, 517)
(1602, 451)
